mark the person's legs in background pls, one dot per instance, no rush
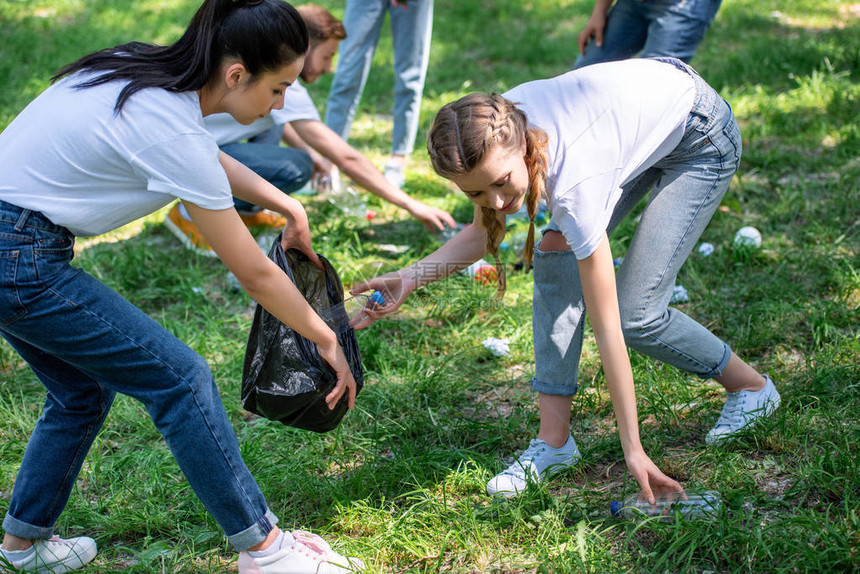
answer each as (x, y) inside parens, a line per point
(677, 30)
(624, 35)
(363, 22)
(655, 28)
(412, 32)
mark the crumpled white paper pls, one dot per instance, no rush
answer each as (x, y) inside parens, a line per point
(498, 347)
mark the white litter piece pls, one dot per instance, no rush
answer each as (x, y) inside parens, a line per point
(749, 236)
(679, 294)
(498, 347)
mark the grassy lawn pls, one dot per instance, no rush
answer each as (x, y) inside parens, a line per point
(401, 482)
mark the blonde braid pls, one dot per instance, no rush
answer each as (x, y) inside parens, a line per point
(536, 162)
(498, 130)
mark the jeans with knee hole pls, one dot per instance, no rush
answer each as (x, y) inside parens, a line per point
(86, 343)
(686, 189)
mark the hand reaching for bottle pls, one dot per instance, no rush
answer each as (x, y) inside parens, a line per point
(395, 288)
(651, 479)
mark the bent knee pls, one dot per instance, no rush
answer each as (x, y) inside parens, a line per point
(636, 327)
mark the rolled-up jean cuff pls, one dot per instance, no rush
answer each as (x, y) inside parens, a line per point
(721, 366)
(554, 389)
(254, 534)
(15, 527)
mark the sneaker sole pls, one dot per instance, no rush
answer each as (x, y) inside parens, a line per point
(186, 241)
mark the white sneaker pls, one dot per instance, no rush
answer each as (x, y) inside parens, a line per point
(53, 556)
(309, 554)
(742, 409)
(395, 175)
(539, 461)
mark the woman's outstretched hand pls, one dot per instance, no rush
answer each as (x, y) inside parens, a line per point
(650, 478)
(395, 288)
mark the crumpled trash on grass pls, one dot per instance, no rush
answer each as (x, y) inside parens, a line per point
(498, 347)
(679, 295)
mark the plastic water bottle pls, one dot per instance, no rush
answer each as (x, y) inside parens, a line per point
(350, 202)
(699, 504)
(350, 310)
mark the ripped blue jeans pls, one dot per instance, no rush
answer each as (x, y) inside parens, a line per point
(686, 188)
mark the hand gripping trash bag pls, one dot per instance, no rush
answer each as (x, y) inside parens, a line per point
(284, 378)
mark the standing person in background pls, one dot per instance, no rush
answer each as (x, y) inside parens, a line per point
(411, 29)
(569, 138)
(298, 123)
(651, 28)
(126, 137)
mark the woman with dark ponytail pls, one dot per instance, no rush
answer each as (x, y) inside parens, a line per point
(593, 143)
(127, 139)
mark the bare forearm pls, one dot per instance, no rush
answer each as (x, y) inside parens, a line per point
(247, 185)
(365, 174)
(619, 380)
(351, 162)
(601, 300)
(464, 249)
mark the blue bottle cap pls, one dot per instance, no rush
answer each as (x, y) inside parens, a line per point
(377, 298)
(615, 507)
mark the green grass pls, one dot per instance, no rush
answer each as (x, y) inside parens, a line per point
(401, 481)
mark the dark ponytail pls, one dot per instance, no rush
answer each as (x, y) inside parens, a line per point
(264, 35)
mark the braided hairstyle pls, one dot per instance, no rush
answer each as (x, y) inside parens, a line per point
(461, 135)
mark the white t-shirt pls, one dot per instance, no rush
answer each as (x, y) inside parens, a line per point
(70, 157)
(298, 105)
(606, 124)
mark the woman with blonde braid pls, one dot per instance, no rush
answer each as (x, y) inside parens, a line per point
(595, 141)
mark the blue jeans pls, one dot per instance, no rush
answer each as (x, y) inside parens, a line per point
(686, 189)
(652, 28)
(411, 31)
(86, 343)
(286, 168)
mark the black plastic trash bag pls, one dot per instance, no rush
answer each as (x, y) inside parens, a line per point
(284, 378)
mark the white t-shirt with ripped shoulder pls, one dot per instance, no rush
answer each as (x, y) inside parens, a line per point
(69, 156)
(298, 105)
(606, 124)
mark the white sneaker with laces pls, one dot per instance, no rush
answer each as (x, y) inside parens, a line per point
(742, 409)
(52, 556)
(538, 461)
(309, 554)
